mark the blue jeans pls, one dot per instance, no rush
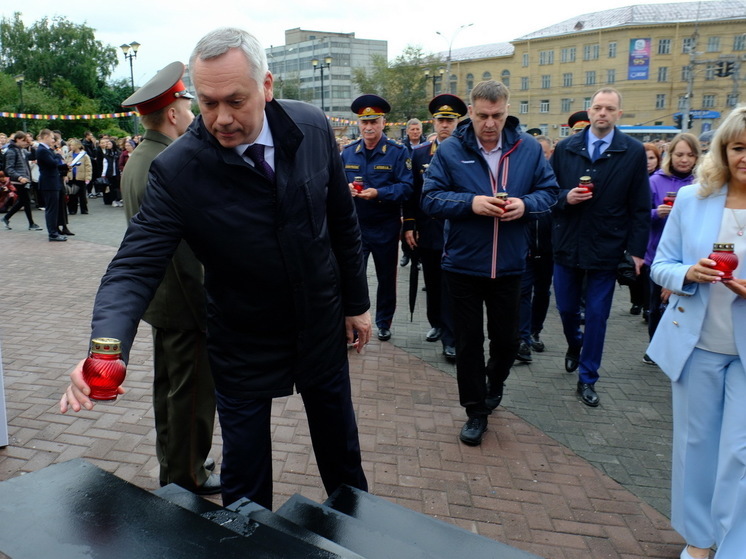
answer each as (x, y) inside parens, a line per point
(568, 289)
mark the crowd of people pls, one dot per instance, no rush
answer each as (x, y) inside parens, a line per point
(495, 215)
(59, 176)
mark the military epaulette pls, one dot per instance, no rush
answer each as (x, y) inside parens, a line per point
(395, 143)
(422, 146)
(353, 143)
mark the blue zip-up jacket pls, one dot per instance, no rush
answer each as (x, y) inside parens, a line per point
(478, 245)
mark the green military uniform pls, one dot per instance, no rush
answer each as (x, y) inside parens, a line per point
(183, 389)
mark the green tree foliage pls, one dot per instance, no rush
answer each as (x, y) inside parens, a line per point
(402, 83)
(52, 49)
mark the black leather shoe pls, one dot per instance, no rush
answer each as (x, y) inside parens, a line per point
(587, 394)
(58, 238)
(572, 359)
(434, 334)
(494, 397)
(635, 310)
(449, 352)
(384, 334)
(472, 431)
(67, 232)
(404, 260)
(536, 343)
(209, 464)
(210, 487)
(524, 353)
(7, 224)
(34, 227)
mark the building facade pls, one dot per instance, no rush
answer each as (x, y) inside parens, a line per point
(669, 61)
(337, 55)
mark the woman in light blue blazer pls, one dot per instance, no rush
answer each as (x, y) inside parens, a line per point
(701, 345)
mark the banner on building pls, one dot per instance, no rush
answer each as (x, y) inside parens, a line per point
(639, 59)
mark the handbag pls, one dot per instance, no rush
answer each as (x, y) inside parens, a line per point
(72, 188)
(101, 183)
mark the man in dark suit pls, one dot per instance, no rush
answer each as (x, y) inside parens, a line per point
(257, 190)
(50, 182)
(425, 233)
(183, 390)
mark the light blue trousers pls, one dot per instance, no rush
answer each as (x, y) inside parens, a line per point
(708, 493)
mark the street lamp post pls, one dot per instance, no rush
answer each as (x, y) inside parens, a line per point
(19, 80)
(133, 46)
(434, 77)
(450, 45)
(316, 64)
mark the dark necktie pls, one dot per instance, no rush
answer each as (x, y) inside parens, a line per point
(255, 152)
(596, 149)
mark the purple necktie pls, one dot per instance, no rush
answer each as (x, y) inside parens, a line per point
(255, 152)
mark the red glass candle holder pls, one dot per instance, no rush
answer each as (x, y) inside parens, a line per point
(586, 183)
(358, 184)
(726, 260)
(104, 369)
(669, 199)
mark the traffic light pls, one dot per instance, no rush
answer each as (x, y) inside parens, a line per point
(689, 121)
(729, 69)
(677, 118)
(720, 69)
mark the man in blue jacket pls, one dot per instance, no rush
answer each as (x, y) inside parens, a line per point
(593, 229)
(256, 189)
(485, 246)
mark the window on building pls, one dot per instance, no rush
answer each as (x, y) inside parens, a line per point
(469, 83)
(663, 74)
(505, 77)
(687, 45)
(586, 103)
(567, 54)
(708, 101)
(710, 71)
(739, 42)
(567, 79)
(546, 57)
(486, 76)
(525, 60)
(564, 131)
(590, 78)
(453, 84)
(524, 107)
(611, 76)
(732, 100)
(566, 105)
(544, 106)
(660, 101)
(686, 71)
(524, 84)
(546, 81)
(682, 102)
(713, 44)
(664, 46)
(612, 49)
(590, 52)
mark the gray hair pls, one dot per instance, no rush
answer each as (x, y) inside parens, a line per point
(491, 91)
(412, 121)
(221, 40)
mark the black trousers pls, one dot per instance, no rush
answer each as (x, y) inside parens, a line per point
(246, 470)
(470, 296)
(80, 198)
(51, 200)
(438, 301)
(24, 201)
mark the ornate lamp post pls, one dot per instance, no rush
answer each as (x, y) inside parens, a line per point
(317, 65)
(133, 46)
(19, 80)
(450, 44)
(434, 77)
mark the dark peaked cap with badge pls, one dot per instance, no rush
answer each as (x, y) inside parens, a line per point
(534, 132)
(162, 90)
(447, 106)
(578, 120)
(370, 107)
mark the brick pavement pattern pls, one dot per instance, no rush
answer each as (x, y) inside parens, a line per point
(551, 477)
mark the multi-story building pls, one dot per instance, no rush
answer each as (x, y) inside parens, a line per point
(336, 55)
(669, 61)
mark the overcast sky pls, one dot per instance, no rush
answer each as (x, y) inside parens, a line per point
(168, 31)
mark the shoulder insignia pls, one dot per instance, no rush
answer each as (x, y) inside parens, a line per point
(409, 163)
(384, 147)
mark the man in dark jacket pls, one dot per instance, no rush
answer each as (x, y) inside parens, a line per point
(257, 190)
(183, 390)
(594, 227)
(485, 239)
(17, 168)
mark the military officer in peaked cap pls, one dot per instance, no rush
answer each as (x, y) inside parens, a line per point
(183, 389)
(425, 233)
(534, 132)
(578, 121)
(385, 168)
